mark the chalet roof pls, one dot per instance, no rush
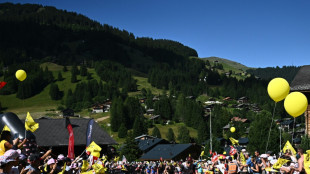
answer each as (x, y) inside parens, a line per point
(243, 141)
(147, 144)
(243, 120)
(52, 132)
(145, 136)
(287, 122)
(227, 126)
(301, 82)
(165, 151)
(154, 116)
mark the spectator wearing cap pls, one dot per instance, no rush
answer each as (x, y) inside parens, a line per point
(34, 163)
(5, 144)
(265, 163)
(8, 160)
(50, 166)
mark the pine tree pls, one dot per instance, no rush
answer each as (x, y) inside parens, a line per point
(139, 127)
(122, 131)
(117, 114)
(156, 132)
(65, 69)
(132, 109)
(131, 149)
(69, 99)
(54, 92)
(183, 136)
(83, 70)
(203, 132)
(59, 78)
(170, 135)
(73, 78)
(89, 76)
(149, 99)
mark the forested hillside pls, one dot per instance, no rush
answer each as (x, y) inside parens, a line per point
(35, 32)
(286, 72)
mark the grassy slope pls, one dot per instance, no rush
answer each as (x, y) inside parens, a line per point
(40, 103)
(228, 64)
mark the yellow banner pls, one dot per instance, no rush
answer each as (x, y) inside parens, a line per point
(242, 158)
(288, 146)
(93, 147)
(307, 161)
(30, 125)
(279, 163)
(234, 141)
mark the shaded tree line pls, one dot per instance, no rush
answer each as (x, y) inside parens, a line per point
(286, 72)
(87, 93)
(116, 74)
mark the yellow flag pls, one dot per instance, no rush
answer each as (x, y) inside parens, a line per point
(202, 153)
(268, 169)
(30, 125)
(93, 147)
(96, 154)
(84, 165)
(290, 147)
(104, 158)
(279, 163)
(234, 141)
(6, 128)
(89, 172)
(307, 161)
(98, 168)
(242, 158)
(116, 159)
(63, 170)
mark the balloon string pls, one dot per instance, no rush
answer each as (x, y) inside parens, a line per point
(274, 109)
(293, 130)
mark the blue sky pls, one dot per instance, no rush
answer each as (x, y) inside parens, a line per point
(256, 33)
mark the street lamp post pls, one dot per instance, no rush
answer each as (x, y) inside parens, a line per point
(209, 109)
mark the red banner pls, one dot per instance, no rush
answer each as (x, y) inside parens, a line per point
(71, 142)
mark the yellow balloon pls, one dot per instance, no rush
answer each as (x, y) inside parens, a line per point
(232, 129)
(21, 75)
(278, 89)
(295, 104)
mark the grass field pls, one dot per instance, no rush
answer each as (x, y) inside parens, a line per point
(142, 83)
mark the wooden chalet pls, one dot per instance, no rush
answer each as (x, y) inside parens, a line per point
(301, 83)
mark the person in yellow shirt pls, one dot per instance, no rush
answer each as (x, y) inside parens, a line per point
(5, 144)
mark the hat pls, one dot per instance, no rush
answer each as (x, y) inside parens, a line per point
(243, 150)
(264, 156)
(60, 157)
(9, 156)
(269, 152)
(51, 161)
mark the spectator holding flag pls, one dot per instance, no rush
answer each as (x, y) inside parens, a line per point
(5, 144)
